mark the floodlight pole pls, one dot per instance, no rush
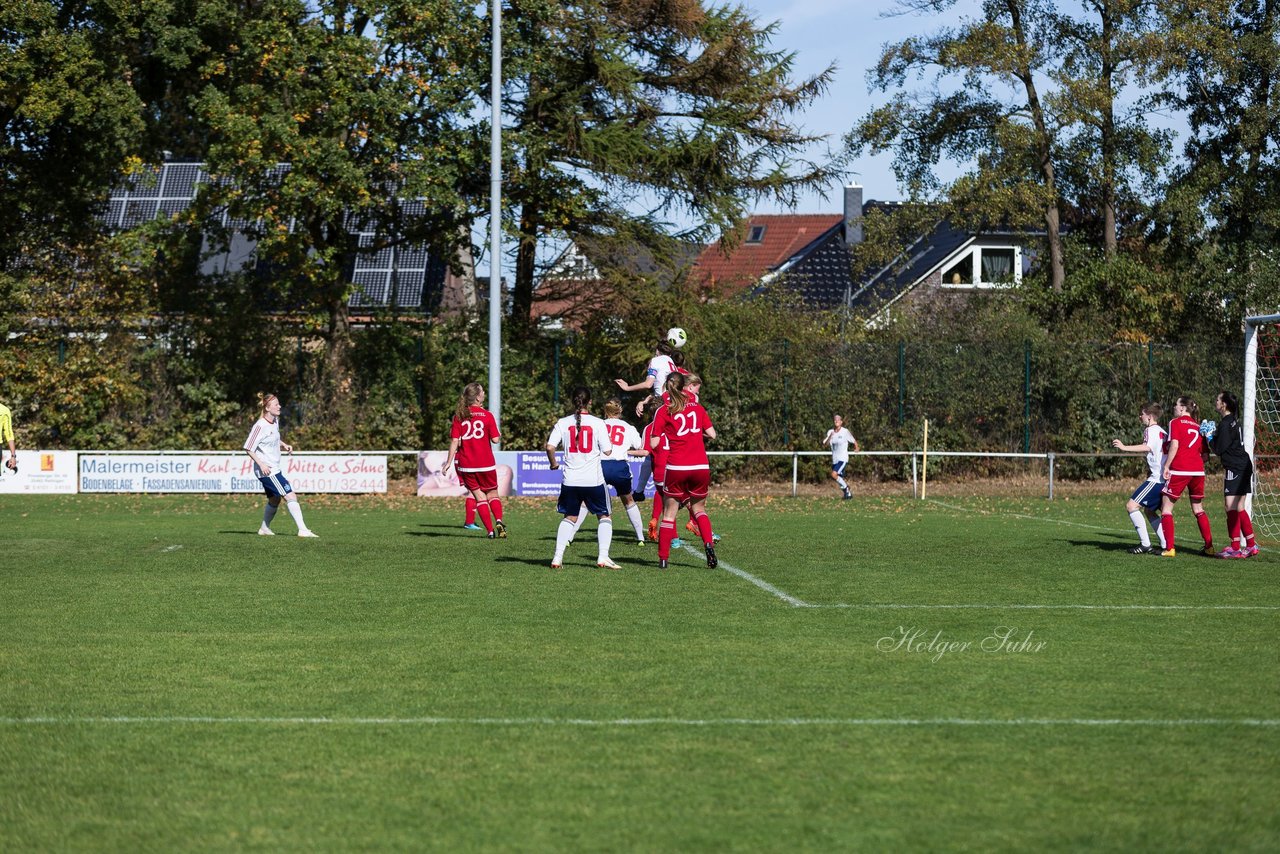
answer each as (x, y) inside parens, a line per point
(495, 219)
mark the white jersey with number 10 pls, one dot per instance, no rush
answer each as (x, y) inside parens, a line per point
(585, 444)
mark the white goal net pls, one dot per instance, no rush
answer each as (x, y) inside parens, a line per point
(1261, 411)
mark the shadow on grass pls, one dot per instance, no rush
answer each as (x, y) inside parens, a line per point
(468, 535)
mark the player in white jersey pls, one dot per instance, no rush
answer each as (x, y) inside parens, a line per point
(839, 438)
(263, 447)
(1145, 500)
(586, 441)
(624, 443)
(665, 360)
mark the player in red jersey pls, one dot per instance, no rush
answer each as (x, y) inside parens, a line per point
(1184, 469)
(683, 423)
(474, 432)
(655, 465)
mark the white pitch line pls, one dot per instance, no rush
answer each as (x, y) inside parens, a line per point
(170, 548)
(796, 602)
(1023, 516)
(644, 722)
(872, 606)
(758, 582)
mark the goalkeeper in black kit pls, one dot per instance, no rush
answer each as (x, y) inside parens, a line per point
(1226, 440)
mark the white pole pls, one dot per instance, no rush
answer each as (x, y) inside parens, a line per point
(924, 463)
(495, 219)
(795, 471)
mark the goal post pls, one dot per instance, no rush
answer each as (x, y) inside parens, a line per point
(1261, 416)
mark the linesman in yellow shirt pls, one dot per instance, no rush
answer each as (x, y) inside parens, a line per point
(6, 435)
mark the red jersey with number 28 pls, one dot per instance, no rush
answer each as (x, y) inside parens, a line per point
(683, 432)
(477, 432)
(1189, 458)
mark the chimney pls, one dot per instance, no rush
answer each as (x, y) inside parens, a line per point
(852, 214)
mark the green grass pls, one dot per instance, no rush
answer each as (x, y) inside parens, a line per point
(403, 684)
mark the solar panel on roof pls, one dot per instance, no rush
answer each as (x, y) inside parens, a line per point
(411, 271)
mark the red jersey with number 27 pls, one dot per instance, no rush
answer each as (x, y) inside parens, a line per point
(683, 432)
(477, 432)
(1189, 458)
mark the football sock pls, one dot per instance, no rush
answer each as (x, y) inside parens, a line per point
(633, 514)
(1246, 527)
(295, 510)
(843, 486)
(1233, 528)
(666, 533)
(482, 510)
(495, 507)
(1166, 525)
(269, 513)
(704, 527)
(1202, 519)
(582, 517)
(604, 536)
(564, 534)
(1155, 524)
(471, 511)
(1140, 523)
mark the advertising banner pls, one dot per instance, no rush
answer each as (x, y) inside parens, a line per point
(47, 472)
(228, 472)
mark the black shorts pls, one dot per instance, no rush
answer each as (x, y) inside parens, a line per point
(1238, 482)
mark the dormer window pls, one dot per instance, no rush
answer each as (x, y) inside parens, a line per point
(756, 235)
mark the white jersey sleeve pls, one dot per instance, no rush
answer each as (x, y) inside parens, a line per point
(264, 441)
(660, 367)
(1154, 438)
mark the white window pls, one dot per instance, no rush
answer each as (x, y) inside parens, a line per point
(756, 234)
(984, 267)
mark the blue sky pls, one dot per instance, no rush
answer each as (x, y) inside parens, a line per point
(852, 34)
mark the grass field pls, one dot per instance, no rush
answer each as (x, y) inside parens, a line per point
(171, 682)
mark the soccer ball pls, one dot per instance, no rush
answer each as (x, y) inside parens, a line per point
(676, 337)
(1208, 429)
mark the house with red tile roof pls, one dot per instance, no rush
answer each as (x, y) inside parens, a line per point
(811, 255)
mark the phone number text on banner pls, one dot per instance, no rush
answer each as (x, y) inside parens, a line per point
(223, 472)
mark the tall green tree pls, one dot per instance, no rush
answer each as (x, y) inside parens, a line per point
(667, 107)
(985, 108)
(1030, 99)
(326, 116)
(69, 117)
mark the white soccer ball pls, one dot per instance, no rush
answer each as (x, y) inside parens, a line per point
(676, 337)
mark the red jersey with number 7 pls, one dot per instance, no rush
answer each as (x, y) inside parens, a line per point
(477, 432)
(683, 432)
(1188, 459)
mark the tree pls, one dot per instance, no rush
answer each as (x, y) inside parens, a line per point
(995, 117)
(68, 119)
(623, 105)
(1229, 70)
(324, 117)
(1029, 98)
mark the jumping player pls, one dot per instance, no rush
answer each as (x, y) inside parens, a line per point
(586, 441)
(473, 433)
(263, 447)
(1184, 469)
(666, 359)
(683, 424)
(1144, 504)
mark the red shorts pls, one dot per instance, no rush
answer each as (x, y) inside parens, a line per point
(1179, 482)
(686, 484)
(484, 481)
